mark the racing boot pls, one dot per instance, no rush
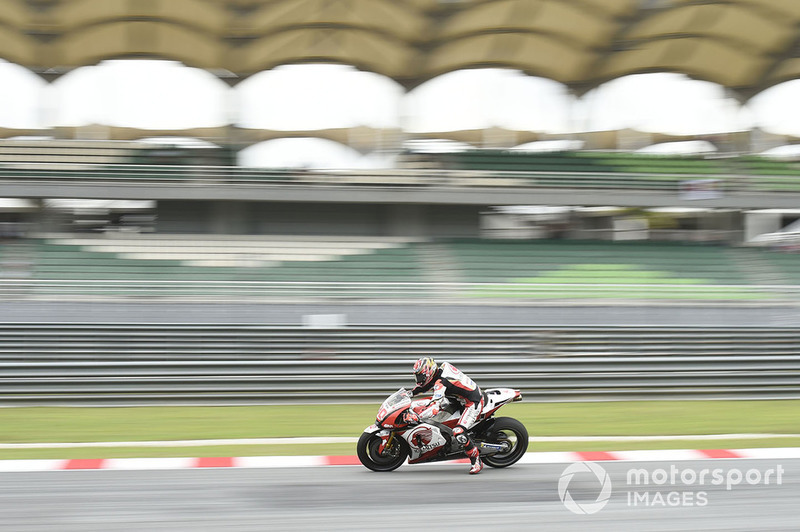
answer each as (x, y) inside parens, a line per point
(477, 463)
(469, 448)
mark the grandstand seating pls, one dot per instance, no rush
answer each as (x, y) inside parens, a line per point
(16, 153)
(755, 165)
(381, 259)
(583, 162)
(20, 153)
(597, 162)
(224, 258)
(786, 265)
(547, 261)
(65, 154)
(507, 268)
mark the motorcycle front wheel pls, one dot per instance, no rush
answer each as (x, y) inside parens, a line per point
(511, 433)
(369, 454)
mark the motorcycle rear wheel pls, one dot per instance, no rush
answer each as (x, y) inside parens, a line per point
(507, 430)
(393, 455)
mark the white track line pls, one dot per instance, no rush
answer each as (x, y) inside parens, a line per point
(180, 443)
(676, 437)
(269, 462)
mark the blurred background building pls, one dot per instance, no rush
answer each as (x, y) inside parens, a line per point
(403, 125)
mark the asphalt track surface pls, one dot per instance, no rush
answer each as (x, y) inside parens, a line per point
(428, 497)
(623, 313)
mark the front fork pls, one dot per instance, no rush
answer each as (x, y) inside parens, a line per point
(385, 442)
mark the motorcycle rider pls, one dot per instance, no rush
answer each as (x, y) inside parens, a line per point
(448, 381)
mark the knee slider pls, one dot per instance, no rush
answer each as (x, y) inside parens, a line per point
(458, 432)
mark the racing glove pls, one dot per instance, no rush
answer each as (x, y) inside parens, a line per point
(412, 418)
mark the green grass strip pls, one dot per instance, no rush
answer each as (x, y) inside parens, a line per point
(130, 424)
(634, 418)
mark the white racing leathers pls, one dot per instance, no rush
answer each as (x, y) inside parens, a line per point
(451, 382)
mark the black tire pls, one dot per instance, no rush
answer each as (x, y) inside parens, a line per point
(507, 429)
(393, 456)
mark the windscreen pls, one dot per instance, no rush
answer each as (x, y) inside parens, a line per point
(398, 399)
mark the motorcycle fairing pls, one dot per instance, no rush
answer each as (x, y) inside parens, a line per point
(497, 397)
(424, 440)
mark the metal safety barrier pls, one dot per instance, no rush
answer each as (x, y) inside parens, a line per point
(118, 364)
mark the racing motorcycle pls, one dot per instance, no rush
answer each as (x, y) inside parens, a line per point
(398, 435)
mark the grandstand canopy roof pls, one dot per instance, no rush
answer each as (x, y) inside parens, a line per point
(745, 45)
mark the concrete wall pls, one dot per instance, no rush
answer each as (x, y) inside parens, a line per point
(758, 223)
(356, 219)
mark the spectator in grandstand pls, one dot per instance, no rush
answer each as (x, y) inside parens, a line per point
(448, 381)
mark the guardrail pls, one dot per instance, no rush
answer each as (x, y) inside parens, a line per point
(104, 364)
(189, 290)
(152, 176)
